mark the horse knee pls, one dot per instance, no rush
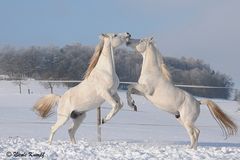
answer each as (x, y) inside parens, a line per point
(120, 105)
(197, 132)
(190, 129)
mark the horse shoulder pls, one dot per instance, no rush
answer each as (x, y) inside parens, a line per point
(149, 80)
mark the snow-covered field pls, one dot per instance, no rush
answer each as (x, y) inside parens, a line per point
(147, 134)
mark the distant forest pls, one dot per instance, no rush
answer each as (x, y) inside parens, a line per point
(70, 63)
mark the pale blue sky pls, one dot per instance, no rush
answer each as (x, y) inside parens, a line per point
(208, 30)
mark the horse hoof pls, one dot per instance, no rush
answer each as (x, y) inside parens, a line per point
(135, 108)
(103, 121)
(190, 147)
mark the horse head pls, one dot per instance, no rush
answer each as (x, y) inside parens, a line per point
(140, 44)
(116, 39)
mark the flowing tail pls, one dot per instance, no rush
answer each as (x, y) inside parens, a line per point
(227, 125)
(44, 105)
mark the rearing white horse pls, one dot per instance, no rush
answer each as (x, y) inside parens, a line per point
(155, 86)
(100, 84)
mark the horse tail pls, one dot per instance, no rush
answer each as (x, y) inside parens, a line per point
(43, 107)
(227, 125)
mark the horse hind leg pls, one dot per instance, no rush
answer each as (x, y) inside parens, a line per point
(188, 115)
(115, 102)
(193, 133)
(61, 120)
(190, 131)
(196, 135)
(76, 123)
(119, 103)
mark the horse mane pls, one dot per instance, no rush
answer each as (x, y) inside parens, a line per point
(163, 67)
(94, 59)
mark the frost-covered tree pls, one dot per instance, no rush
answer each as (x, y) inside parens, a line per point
(71, 61)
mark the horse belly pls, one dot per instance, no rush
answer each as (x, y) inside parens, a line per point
(85, 99)
(167, 97)
(89, 104)
(163, 102)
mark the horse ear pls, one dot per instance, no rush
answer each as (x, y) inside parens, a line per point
(101, 36)
(151, 39)
(105, 35)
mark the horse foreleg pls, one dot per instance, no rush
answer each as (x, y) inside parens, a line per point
(137, 89)
(118, 100)
(131, 102)
(114, 103)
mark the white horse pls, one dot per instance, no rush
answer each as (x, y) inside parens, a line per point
(100, 84)
(155, 86)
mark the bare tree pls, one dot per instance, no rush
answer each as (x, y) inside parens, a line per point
(49, 85)
(20, 83)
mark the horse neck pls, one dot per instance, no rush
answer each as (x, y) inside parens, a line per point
(106, 60)
(150, 63)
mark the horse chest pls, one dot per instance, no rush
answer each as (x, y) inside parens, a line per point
(114, 83)
(148, 80)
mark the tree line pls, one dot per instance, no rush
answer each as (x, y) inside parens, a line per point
(71, 61)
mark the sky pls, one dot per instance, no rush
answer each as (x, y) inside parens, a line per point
(206, 30)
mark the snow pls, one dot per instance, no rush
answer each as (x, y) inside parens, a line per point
(147, 134)
(119, 150)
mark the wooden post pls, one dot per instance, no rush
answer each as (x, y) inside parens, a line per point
(99, 122)
(20, 87)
